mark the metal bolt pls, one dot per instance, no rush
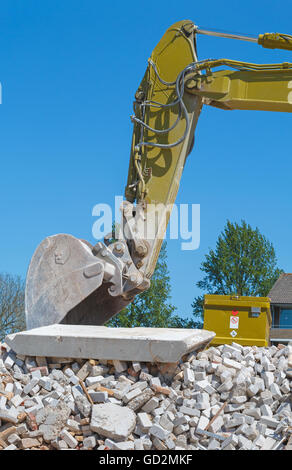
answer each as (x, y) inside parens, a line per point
(119, 248)
(141, 250)
(191, 84)
(133, 278)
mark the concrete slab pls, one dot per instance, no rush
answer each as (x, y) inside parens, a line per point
(100, 342)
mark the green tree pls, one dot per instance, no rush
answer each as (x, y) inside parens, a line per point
(243, 263)
(12, 313)
(198, 311)
(152, 308)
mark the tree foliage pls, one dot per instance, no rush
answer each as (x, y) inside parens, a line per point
(152, 308)
(243, 263)
(198, 309)
(12, 313)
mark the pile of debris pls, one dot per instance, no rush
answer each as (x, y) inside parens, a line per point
(227, 397)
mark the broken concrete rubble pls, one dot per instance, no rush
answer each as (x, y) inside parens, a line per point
(229, 397)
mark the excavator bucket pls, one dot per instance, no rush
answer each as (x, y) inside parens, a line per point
(69, 281)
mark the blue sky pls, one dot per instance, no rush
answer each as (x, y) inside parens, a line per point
(69, 71)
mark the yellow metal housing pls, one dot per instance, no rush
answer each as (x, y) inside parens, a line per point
(244, 320)
(257, 90)
(275, 41)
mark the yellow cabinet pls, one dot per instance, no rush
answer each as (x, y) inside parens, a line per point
(239, 319)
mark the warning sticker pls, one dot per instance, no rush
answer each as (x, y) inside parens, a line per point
(234, 322)
(233, 333)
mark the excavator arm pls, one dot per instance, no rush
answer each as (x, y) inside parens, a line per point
(70, 281)
(164, 119)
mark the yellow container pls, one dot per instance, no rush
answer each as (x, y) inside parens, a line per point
(239, 319)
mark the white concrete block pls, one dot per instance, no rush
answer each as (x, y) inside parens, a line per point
(233, 439)
(100, 342)
(166, 423)
(266, 411)
(9, 388)
(9, 361)
(16, 400)
(213, 444)
(269, 443)
(11, 447)
(270, 422)
(17, 388)
(158, 431)
(189, 411)
(144, 421)
(46, 383)
(217, 424)
(73, 425)
(120, 366)
(169, 443)
(89, 442)
(113, 421)
(230, 363)
(151, 405)
(28, 388)
(9, 415)
(99, 397)
(254, 412)
(136, 366)
(244, 443)
(260, 441)
(138, 444)
(203, 423)
(131, 394)
(36, 374)
(68, 438)
(93, 380)
(188, 376)
(275, 391)
(268, 378)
